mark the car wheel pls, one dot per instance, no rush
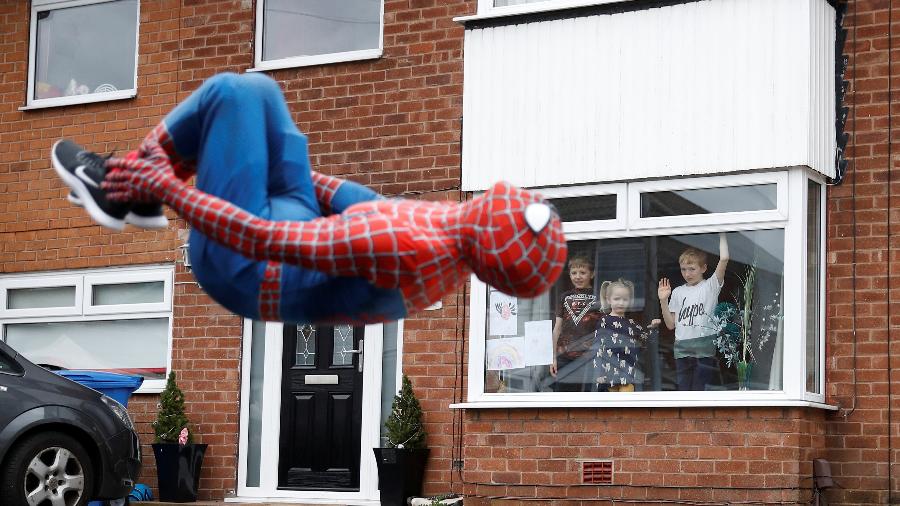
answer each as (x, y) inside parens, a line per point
(47, 469)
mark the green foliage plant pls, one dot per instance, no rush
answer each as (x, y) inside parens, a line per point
(404, 425)
(171, 419)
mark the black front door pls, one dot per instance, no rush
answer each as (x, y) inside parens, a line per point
(321, 408)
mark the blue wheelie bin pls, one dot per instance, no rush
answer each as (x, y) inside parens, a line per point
(117, 386)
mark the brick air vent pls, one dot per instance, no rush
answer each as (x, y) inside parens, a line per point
(598, 472)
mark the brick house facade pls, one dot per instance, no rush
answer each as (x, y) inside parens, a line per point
(394, 123)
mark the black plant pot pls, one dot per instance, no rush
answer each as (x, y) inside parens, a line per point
(178, 470)
(400, 473)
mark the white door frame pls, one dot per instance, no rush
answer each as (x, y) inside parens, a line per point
(267, 491)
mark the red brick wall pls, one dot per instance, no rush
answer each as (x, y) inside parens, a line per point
(863, 456)
(696, 455)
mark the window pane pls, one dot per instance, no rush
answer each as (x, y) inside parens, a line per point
(342, 339)
(305, 354)
(609, 338)
(255, 420)
(86, 49)
(128, 293)
(388, 375)
(31, 298)
(594, 207)
(125, 346)
(813, 273)
(314, 27)
(709, 200)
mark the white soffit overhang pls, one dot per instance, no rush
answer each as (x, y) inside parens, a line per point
(701, 87)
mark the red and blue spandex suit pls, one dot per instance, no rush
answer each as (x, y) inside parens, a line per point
(273, 240)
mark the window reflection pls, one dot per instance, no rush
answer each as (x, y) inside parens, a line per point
(709, 200)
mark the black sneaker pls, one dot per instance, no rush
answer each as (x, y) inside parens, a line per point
(144, 215)
(84, 171)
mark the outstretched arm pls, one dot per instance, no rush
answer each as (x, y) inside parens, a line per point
(723, 258)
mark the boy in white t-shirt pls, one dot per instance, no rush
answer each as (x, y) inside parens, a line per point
(688, 313)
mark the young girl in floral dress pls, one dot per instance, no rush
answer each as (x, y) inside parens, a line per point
(618, 339)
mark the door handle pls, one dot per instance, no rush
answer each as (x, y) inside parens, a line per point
(359, 352)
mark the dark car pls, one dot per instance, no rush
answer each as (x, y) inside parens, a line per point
(61, 443)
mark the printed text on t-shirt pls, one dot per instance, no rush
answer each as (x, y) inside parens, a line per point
(690, 312)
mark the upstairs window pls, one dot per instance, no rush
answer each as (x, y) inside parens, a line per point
(294, 33)
(82, 51)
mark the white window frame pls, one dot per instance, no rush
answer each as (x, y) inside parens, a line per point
(792, 196)
(779, 214)
(90, 281)
(82, 311)
(812, 396)
(31, 102)
(8, 284)
(574, 227)
(306, 61)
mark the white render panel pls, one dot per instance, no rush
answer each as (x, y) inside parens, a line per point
(705, 87)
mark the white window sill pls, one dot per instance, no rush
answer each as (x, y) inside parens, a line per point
(712, 403)
(324, 59)
(79, 99)
(151, 387)
(518, 10)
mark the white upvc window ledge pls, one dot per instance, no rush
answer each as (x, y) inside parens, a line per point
(79, 100)
(304, 500)
(323, 59)
(531, 8)
(711, 403)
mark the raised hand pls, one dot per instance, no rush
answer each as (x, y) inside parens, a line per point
(664, 290)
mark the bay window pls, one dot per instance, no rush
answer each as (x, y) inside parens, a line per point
(756, 345)
(114, 320)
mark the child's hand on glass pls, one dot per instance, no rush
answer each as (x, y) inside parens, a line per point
(654, 323)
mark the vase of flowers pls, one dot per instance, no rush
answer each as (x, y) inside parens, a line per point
(745, 326)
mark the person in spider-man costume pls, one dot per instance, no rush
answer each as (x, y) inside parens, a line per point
(272, 239)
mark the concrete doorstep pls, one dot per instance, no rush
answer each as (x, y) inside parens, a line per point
(215, 503)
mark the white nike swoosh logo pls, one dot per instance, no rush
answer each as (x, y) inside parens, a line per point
(79, 171)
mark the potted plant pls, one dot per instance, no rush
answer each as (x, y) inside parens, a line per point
(178, 459)
(401, 466)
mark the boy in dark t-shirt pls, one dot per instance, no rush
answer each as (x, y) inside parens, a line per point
(576, 318)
